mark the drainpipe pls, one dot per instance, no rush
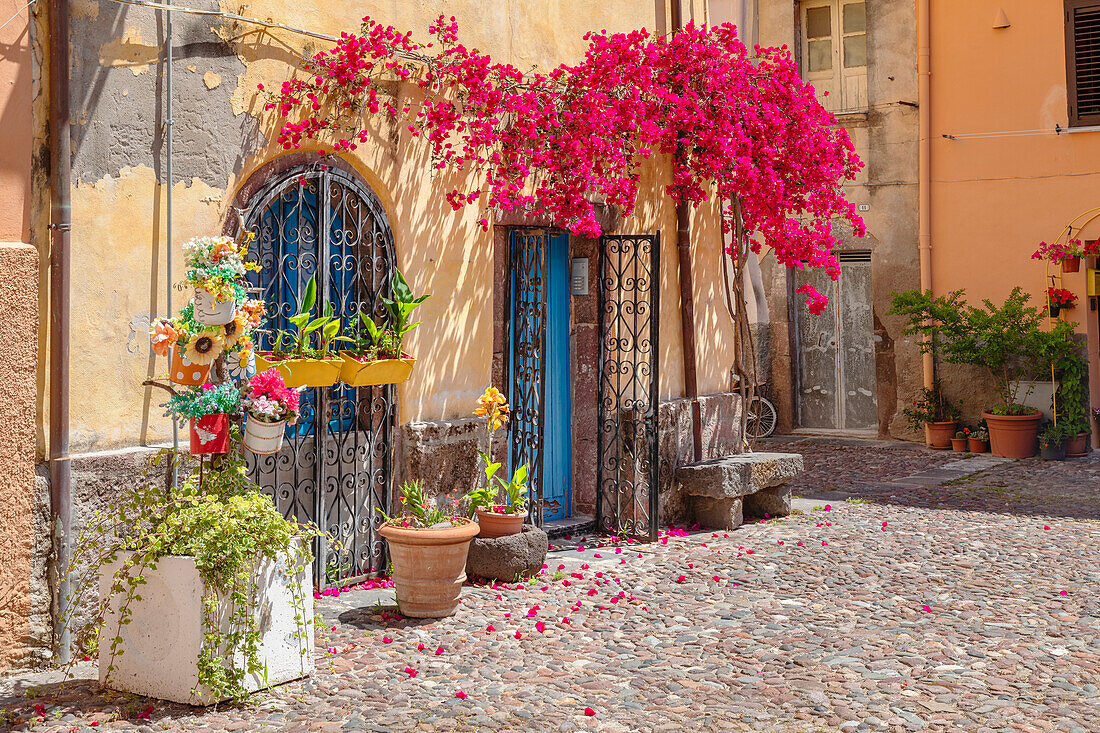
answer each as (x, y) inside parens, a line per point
(60, 224)
(924, 240)
(687, 297)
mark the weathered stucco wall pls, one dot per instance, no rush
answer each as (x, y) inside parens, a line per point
(223, 137)
(885, 137)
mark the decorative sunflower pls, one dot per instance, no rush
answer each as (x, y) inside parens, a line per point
(205, 347)
(234, 331)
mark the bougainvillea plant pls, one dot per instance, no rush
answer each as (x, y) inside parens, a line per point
(737, 125)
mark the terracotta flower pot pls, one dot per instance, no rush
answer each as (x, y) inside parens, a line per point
(429, 567)
(958, 445)
(182, 371)
(494, 524)
(1078, 446)
(938, 435)
(977, 446)
(1071, 264)
(210, 434)
(1013, 436)
(263, 438)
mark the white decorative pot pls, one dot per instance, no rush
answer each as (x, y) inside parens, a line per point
(211, 312)
(264, 438)
(160, 646)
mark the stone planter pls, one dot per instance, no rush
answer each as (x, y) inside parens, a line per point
(505, 558)
(160, 646)
(1078, 446)
(937, 435)
(429, 567)
(1013, 436)
(494, 524)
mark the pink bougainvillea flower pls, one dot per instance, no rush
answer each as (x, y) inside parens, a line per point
(589, 712)
(584, 566)
(681, 579)
(518, 634)
(533, 611)
(1063, 593)
(332, 650)
(781, 542)
(461, 695)
(420, 647)
(618, 550)
(566, 620)
(716, 579)
(824, 543)
(411, 672)
(926, 608)
(1045, 527)
(490, 627)
(596, 554)
(561, 567)
(439, 650)
(622, 561)
(144, 714)
(828, 507)
(540, 627)
(387, 640)
(799, 544)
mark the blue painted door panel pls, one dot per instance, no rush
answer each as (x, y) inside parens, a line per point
(557, 469)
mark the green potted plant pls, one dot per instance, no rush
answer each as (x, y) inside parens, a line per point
(1005, 340)
(428, 548)
(978, 441)
(1052, 442)
(497, 518)
(936, 415)
(376, 356)
(959, 442)
(304, 356)
(208, 409)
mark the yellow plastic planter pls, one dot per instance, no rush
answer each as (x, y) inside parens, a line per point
(302, 372)
(357, 373)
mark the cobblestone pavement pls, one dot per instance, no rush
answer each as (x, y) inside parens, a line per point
(967, 607)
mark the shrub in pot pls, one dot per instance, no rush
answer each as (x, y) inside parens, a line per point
(428, 549)
(1006, 340)
(936, 415)
(376, 356)
(269, 406)
(1070, 401)
(495, 517)
(1052, 442)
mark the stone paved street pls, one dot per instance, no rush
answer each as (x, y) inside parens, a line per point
(917, 606)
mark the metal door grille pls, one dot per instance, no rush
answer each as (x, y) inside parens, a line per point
(628, 394)
(527, 382)
(335, 468)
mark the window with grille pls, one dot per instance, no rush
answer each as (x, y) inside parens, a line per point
(1083, 61)
(834, 52)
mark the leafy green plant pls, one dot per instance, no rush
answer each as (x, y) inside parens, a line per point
(1005, 340)
(1071, 399)
(418, 511)
(1053, 434)
(932, 406)
(325, 327)
(385, 342)
(516, 489)
(494, 408)
(203, 400)
(220, 519)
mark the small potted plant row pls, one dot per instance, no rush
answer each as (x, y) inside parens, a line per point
(307, 356)
(936, 415)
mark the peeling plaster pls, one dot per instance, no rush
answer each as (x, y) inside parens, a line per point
(129, 52)
(212, 80)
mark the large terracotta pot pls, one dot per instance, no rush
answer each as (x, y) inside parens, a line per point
(499, 525)
(1013, 436)
(938, 435)
(429, 567)
(1078, 446)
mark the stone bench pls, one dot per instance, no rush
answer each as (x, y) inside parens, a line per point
(723, 490)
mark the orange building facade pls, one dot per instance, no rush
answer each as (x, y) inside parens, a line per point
(1014, 146)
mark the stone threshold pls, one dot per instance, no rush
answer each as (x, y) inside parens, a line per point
(579, 523)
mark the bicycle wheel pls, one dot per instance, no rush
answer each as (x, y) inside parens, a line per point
(763, 418)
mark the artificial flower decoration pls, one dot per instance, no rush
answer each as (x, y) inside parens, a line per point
(235, 330)
(205, 347)
(270, 400)
(163, 337)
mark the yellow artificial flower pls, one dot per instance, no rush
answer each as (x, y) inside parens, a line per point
(233, 331)
(205, 347)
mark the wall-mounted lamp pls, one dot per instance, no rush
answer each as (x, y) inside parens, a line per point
(1001, 21)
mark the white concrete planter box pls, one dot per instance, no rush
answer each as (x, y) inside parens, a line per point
(160, 646)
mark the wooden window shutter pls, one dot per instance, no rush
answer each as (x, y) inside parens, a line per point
(1083, 61)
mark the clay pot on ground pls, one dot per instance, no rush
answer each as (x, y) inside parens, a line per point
(210, 434)
(1071, 264)
(263, 438)
(494, 524)
(938, 435)
(958, 444)
(429, 567)
(977, 446)
(211, 312)
(1077, 446)
(1013, 436)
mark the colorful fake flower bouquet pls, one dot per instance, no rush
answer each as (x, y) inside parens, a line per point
(217, 264)
(207, 399)
(202, 344)
(1061, 298)
(268, 399)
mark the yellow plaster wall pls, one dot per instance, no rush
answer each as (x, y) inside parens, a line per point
(119, 240)
(994, 198)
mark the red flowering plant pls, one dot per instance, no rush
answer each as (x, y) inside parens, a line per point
(1058, 251)
(268, 399)
(738, 125)
(1061, 298)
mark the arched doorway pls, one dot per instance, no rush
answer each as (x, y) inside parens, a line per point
(336, 467)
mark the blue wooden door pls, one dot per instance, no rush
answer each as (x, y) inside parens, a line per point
(539, 368)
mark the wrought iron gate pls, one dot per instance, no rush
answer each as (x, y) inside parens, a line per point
(335, 468)
(628, 394)
(527, 380)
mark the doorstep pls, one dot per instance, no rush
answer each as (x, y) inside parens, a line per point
(579, 523)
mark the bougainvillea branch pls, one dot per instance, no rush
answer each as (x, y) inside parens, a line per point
(737, 125)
